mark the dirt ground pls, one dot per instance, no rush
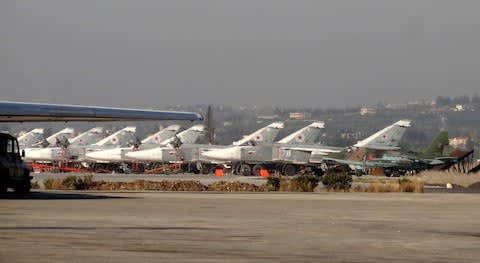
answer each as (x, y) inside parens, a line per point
(442, 178)
(75, 226)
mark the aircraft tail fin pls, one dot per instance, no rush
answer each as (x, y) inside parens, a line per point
(306, 135)
(265, 135)
(32, 138)
(387, 138)
(63, 135)
(188, 136)
(162, 135)
(121, 137)
(89, 137)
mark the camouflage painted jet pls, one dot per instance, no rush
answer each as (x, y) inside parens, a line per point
(401, 164)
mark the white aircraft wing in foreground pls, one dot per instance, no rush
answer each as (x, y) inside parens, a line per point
(28, 112)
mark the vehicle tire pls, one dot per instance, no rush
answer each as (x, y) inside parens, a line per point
(3, 187)
(194, 167)
(290, 170)
(245, 170)
(23, 187)
(206, 169)
(3, 181)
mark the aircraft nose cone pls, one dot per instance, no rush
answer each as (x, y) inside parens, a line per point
(105, 155)
(227, 154)
(154, 154)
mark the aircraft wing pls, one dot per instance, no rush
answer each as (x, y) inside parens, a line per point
(31, 112)
(366, 164)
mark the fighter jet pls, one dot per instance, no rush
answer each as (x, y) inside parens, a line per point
(57, 140)
(251, 158)
(400, 164)
(191, 153)
(70, 151)
(83, 144)
(118, 154)
(287, 157)
(168, 149)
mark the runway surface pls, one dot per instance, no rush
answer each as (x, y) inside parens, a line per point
(75, 226)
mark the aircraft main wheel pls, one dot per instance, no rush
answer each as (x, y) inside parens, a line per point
(245, 170)
(290, 170)
(206, 169)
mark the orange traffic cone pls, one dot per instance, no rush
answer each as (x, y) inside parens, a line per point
(264, 173)
(219, 172)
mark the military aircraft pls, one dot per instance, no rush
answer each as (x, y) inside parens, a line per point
(288, 156)
(160, 139)
(77, 153)
(66, 151)
(250, 158)
(11, 111)
(401, 164)
(190, 153)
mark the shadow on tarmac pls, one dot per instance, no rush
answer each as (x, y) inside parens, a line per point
(58, 196)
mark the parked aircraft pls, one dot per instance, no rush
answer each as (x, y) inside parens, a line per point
(70, 151)
(387, 139)
(162, 137)
(77, 152)
(169, 149)
(191, 153)
(400, 164)
(251, 158)
(287, 157)
(28, 111)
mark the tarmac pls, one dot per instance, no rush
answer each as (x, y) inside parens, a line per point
(79, 226)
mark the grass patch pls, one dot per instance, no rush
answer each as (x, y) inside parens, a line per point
(402, 185)
(273, 183)
(70, 183)
(337, 182)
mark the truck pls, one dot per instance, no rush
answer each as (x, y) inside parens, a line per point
(14, 173)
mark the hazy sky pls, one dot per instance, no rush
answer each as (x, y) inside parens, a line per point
(246, 52)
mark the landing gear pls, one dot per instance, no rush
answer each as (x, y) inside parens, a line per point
(289, 170)
(245, 170)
